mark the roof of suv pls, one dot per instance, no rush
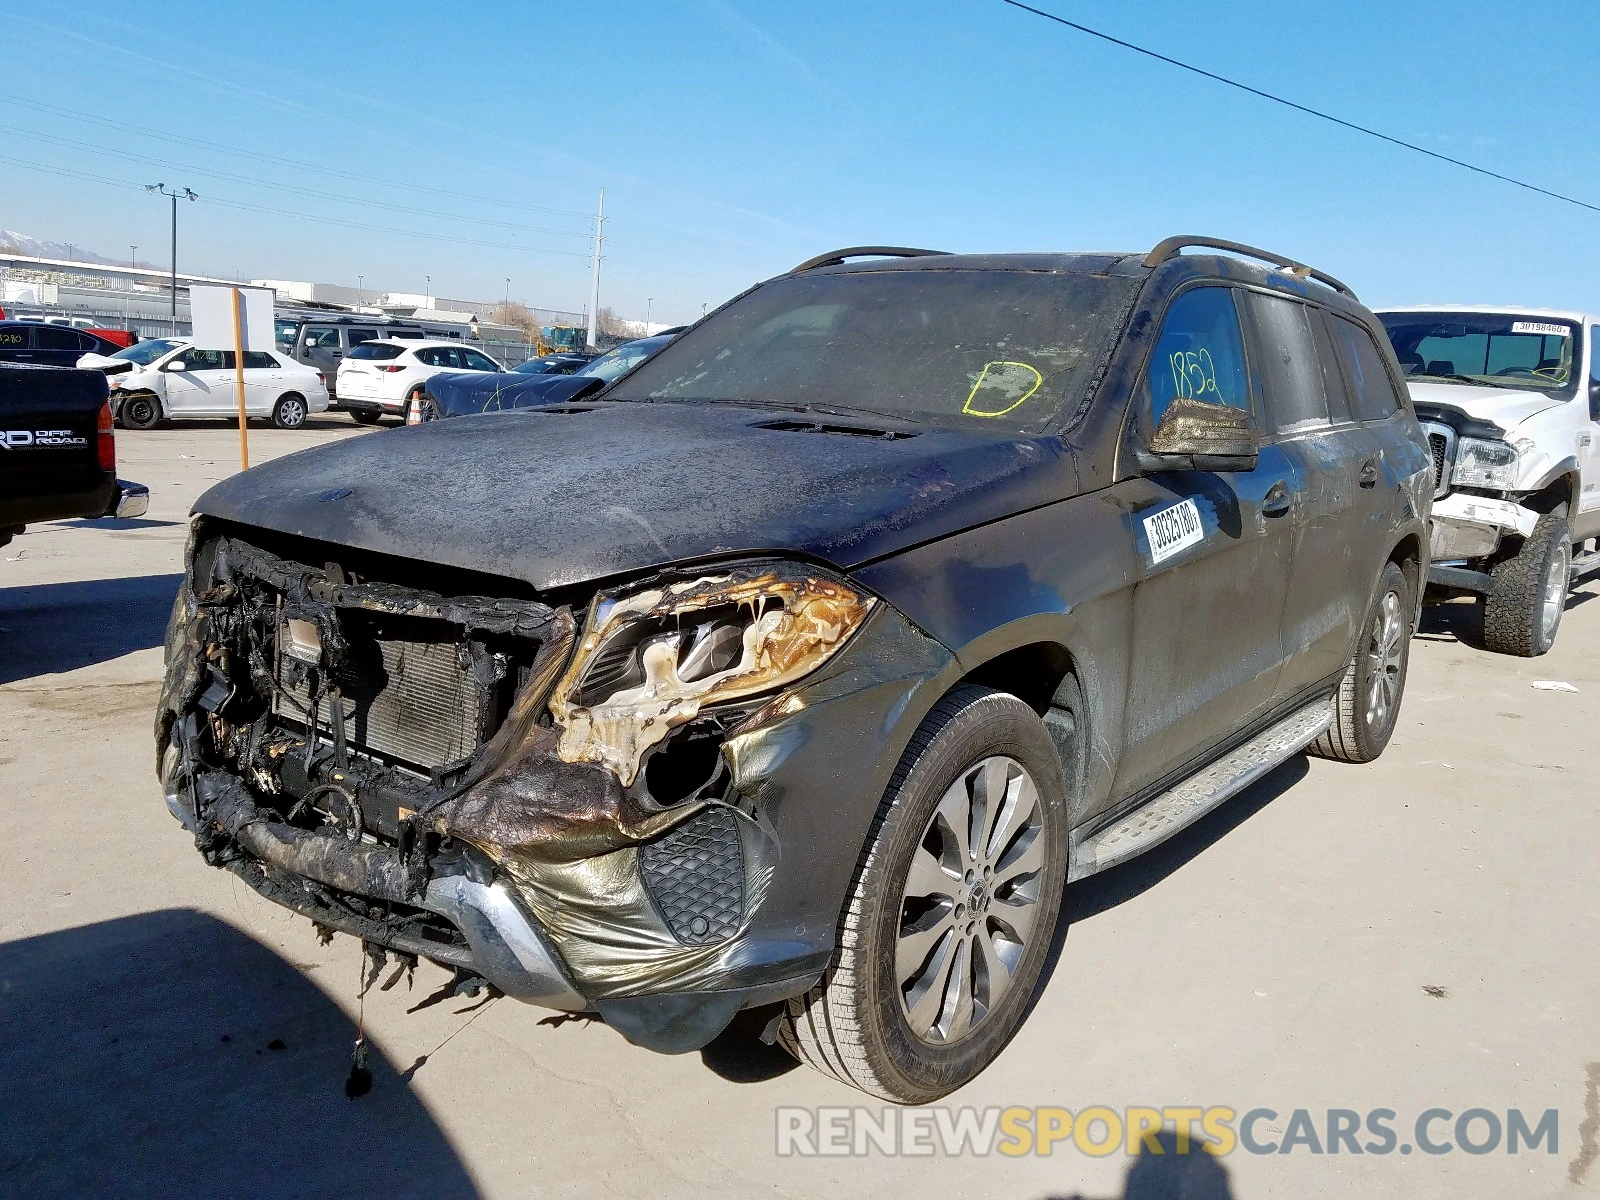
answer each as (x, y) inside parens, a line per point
(418, 343)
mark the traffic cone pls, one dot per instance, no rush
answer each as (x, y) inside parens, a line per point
(414, 412)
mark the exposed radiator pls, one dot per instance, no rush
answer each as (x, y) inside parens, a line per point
(411, 701)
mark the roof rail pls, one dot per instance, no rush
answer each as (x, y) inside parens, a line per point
(1170, 247)
(834, 257)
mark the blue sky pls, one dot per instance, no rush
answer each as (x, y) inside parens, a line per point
(735, 138)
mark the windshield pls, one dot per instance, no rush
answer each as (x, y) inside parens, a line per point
(145, 353)
(1004, 349)
(1487, 349)
(540, 366)
(623, 359)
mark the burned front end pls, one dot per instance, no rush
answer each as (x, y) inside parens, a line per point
(644, 803)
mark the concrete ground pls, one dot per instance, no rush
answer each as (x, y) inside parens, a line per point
(1417, 933)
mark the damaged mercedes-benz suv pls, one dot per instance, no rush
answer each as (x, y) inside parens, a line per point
(799, 669)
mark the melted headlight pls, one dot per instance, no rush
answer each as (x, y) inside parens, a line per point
(650, 661)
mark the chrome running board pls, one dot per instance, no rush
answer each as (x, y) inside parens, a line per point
(1164, 815)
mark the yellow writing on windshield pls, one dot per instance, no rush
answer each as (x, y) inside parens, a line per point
(1003, 387)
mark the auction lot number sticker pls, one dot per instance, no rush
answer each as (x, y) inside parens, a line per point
(1172, 530)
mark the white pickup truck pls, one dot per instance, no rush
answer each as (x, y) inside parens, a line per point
(1510, 401)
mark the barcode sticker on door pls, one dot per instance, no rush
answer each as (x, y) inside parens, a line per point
(1173, 529)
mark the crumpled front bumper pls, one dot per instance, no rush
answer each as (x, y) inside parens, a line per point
(1465, 527)
(569, 897)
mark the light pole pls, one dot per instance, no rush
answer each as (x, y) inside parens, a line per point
(362, 281)
(427, 292)
(647, 302)
(508, 296)
(133, 256)
(160, 189)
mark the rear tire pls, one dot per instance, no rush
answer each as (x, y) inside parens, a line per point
(289, 412)
(1367, 704)
(924, 944)
(364, 416)
(140, 412)
(1522, 610)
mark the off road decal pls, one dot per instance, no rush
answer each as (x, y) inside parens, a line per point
(11, 439)
(1173, 529)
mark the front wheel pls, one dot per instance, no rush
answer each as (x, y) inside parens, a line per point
(1367, 704)
(953, 910)
(1528, 594)
(289, 412)
(140, 412)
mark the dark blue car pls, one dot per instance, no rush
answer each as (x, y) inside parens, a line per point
(460, 395)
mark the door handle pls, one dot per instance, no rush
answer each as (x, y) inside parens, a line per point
(1369, 474)
(1276, 502)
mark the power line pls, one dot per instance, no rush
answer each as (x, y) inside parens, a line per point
(1244, 87)
(142, 131)
(282, 212)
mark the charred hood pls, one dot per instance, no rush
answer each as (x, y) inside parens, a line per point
(572, 494)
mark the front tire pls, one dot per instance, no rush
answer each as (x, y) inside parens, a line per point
(1367, 704)
(1522, 610)
(289, 412)
(953, 909)
(140, 412)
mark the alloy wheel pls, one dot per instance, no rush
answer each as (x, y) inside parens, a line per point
(1385, 650)
(1555, 592)
(970, 899)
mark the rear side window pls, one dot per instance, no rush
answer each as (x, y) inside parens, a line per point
(55, 337)
(433, 356)
(1200, 354)
(357, 336)
(323, 338)
(258, 360)
(1594, 354)
(1291, 372)
(376, 350)
(1371, 390)
(13, 338)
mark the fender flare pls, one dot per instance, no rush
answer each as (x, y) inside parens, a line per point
(1567, 466)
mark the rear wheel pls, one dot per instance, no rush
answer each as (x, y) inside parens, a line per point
(953, 909)
(140, 412)
(1522, 610)
(1367, 703)
(364, 416)
(289, 412)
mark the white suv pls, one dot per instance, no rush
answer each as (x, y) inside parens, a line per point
(1510, 401)
(381, 376)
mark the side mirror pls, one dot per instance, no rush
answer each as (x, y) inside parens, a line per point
(176, 364)
(1196, 436)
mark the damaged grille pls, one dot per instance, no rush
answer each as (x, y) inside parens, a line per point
(1442, 448)
(695, 875)
(407, 700)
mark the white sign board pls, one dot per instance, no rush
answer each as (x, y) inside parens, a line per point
(211, 312)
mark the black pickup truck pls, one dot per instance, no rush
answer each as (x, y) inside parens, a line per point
(58, 456)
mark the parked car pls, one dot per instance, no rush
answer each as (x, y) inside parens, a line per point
(323, 344)
(555, 364)
(169, 378)
(58, 452)
(382, 377)
(49, 345)
(460, 395)
(1510, 400)
(799, 667)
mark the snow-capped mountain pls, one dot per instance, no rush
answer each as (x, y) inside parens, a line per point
(21, 243)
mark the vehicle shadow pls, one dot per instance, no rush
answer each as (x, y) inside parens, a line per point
(738, 1054)
(1169, 1175)
(117, 523)
(52, 627)
(1122, 883)
(168, 1054)
(1461, 620)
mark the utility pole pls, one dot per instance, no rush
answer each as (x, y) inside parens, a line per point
(428, 291)
(160, 189)
(361, 280)
(133, 256)
(648, 301)
(594, 288)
